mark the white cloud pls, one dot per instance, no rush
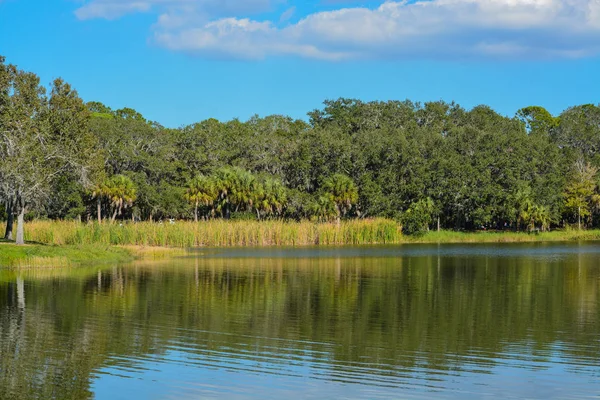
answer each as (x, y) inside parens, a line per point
(240, 38)
(111, 9)
(448, 29)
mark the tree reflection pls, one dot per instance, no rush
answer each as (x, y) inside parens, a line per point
(391, 316)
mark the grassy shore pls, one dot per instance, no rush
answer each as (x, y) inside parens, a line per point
(39, 255)
(55, 256)
(61, 243)
(504, 237)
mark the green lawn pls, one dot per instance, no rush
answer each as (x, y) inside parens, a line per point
(39, 255)
(503, 237)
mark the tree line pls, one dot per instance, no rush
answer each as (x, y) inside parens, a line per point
(427, 165)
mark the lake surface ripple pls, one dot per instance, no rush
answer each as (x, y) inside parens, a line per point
(411, 321)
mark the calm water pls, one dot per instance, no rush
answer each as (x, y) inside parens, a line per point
(418, 321)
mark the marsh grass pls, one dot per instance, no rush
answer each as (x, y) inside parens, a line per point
(152, 240)
(216, 233)
(154, 253)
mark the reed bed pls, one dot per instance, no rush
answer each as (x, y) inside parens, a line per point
(154, 253)
(215, 233)
(147, 238)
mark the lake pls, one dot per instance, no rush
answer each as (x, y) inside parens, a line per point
(389, 322)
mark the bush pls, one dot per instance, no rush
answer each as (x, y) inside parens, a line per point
(418, 217)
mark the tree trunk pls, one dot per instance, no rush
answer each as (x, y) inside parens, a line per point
(579, 217)
(258, 214)
(114, 216)
(21, 293)
(20, 228)
(10, 220)
(196, 212)
(99, 211)
(438, 223)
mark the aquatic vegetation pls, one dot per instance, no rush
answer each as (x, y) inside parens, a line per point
(216, 233)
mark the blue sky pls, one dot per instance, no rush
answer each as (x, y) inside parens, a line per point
(182, 61)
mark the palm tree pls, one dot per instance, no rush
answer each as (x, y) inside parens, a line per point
(201, 190)
(269, 197)
(540, 215)
(242, 193)
(324, 209)
(120, 192)
(523, 206)
(235, 188)
(342, 191)
(101, 190)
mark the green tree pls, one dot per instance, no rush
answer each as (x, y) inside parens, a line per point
(236, 189)
(539, 215)
(270, 197)
(120, 192)
(537, 120)
(324, 208)
(42, 138)
(342, 192)
(581, 195)
(201, 190)
(418, 217)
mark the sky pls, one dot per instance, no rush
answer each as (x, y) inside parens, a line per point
(182, 61)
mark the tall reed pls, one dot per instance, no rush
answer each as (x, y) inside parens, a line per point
(222, 233)
(216, 233)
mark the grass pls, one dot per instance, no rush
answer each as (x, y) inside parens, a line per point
(51, 256)
(64, 243)
(216, 233)
(505, 237)
(154, 253)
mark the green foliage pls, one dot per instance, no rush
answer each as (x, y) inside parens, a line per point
(44, 137)
(581, 194)
(68, 199)
(119, 191)
(537, 120)
(324, 208)
(270, 197)
(201, 190)
(418, 217)
(340, 191)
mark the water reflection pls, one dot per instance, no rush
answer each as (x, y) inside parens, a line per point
(412, 321)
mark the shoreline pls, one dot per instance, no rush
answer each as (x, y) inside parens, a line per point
(52, 255)
(449, 237)
(36, 255)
